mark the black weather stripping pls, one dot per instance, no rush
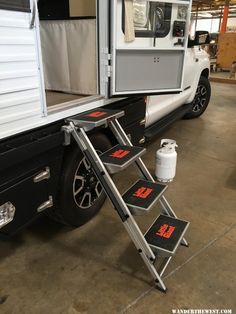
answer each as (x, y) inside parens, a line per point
(15, 5)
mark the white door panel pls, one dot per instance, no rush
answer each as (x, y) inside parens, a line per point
(152, 62)
(191, 66)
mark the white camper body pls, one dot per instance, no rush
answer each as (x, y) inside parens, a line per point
(55, 65)
(89, 59)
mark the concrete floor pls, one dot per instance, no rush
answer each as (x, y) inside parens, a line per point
(220, 74)
(95, 269)
(222, 77)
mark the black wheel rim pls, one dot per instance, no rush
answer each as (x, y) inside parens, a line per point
(86, 187)
(200, 98)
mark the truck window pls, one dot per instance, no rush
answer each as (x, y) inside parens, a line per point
(15, 5)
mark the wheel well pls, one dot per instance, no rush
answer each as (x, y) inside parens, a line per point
(205, 73)
(73, 145)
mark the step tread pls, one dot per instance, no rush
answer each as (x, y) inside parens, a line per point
(120, 156)
(165, 234)
(143, 195)
(96, 117)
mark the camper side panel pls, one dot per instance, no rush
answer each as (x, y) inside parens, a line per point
(20, 96)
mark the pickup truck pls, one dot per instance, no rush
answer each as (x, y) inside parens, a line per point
(163, 110)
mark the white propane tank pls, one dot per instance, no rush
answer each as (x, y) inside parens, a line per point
(166, 161)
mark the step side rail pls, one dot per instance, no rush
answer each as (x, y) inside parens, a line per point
(122, 138)
(129, 222)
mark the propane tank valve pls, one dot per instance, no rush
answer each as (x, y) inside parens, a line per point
(166, 161)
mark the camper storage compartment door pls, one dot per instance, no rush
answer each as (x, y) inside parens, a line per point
(148, 43)
(146, 68)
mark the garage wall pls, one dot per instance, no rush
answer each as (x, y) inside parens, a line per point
(226, 53)
(82, 8)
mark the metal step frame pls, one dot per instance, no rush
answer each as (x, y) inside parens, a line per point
(73, 128)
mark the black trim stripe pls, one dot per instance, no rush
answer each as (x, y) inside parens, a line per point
(15, 5)
(69, 18)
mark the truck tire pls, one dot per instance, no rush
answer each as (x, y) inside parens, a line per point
(201, 99)
(81, 195)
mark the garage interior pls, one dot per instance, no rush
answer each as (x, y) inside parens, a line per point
(218, 17)
(48, 268)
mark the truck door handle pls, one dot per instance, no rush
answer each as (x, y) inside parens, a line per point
(32, 22)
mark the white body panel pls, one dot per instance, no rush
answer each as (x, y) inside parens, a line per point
(20, 83)
(31, 122)
(158, 107)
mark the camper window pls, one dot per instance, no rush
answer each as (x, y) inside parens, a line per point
(151, 19)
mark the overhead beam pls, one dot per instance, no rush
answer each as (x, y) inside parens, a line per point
(214, 17)
(210, 4)
(212, 9)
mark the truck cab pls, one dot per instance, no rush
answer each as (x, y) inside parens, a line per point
(190, 103)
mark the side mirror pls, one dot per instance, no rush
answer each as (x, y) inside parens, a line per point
(201, 38)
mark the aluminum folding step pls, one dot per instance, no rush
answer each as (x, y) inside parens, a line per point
(165, 235)
(95, 118)
(120, 157)
(142, 196)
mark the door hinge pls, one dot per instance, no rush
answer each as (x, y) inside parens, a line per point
(108, 72)
(107, 64)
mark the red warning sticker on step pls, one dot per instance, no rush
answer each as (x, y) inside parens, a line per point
(165, 231)
(143, 192)
(96, 114)
(120, 153)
